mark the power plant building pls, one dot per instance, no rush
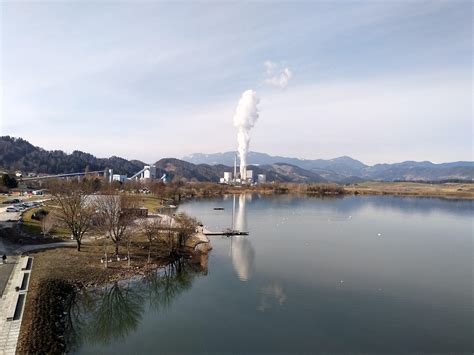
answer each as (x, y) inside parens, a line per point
(149, 172)
(227, 177)
(119, 178)
(249, 176)
(261, 178)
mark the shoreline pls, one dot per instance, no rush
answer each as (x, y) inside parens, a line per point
(61, 272)
(412, 189)
(92, 274)
(54, 277)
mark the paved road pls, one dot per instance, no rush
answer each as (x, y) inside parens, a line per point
(5, 271)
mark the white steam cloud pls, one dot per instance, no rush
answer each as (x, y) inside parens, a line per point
(270, 67)
(245, 117)
(279, 80)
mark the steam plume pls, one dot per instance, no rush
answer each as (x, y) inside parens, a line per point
(245, 117)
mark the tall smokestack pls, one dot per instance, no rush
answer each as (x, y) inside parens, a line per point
(235, 166)
(245, 117)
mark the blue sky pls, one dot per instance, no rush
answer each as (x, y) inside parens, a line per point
(381, 81)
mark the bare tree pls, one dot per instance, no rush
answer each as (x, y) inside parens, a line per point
(151, 227)
(75, 209)
(185, 227)
(127, 237)
(168, 234)
(47, 223)
(116, 215)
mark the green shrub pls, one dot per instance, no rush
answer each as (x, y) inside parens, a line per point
(40, 214)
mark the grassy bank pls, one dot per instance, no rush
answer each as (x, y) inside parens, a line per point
(448, 190)
(33, 226)
(42, 329)
(47, 312)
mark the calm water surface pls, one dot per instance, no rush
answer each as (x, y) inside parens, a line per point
(356, 274)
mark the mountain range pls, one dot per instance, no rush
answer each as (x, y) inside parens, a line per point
(346, 169)
(19, 154)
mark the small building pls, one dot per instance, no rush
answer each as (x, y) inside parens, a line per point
(137, 212)
(261, 178)
(119, 178)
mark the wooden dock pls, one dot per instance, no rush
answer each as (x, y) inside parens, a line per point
(226, 232)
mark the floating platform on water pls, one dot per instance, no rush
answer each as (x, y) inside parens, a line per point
(218, 208)
(226, 232)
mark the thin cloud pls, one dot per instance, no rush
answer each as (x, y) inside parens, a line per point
(270, 67)
(275, 77)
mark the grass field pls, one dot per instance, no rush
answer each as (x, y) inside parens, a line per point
(449, 190)
(150, 202)
(33, 226)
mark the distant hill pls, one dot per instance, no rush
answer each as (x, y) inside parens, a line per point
(346, 169)
(18, 154)
(212, 173)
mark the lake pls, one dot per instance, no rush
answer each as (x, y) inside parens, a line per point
(378, 274)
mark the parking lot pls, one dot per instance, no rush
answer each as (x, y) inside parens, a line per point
(22, 206)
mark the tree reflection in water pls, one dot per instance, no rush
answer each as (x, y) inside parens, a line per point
(165, 284)
(118, 312)
(112, 313)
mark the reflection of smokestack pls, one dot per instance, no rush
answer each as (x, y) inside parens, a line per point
(241, 217)
(245, 117)
(243, 254)
(243, 257)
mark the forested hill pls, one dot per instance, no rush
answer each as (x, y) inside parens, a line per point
(19, 154)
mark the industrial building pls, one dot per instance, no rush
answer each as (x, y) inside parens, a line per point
(147, 173)
(119, 178)
(227, 177)
(237, 179)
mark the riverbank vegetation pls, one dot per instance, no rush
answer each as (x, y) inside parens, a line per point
(98, 215)
(95, 218)
(444, 190)
(66, 267)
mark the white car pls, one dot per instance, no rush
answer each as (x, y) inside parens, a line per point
(12, 209)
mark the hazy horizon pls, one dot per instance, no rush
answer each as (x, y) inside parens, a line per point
(380, 82)
(152, 161)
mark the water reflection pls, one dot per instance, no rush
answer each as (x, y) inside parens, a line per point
(242, 251)
(163, 286)
(271, 296)
(407, 291)
(103, 316)
(115, 315)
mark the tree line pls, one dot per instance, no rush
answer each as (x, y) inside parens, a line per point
(116, 218)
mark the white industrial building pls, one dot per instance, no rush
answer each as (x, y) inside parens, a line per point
(147, 173)
(249, 176)
(227, 177)
(119, 178)
(261, 178)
